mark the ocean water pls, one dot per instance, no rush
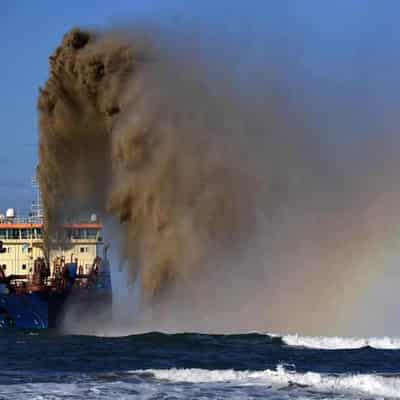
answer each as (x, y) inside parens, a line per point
(46, 365)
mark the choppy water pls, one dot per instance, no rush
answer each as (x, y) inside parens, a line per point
(44, 365)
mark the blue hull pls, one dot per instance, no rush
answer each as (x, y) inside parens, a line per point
(31, 311)
(46, 309)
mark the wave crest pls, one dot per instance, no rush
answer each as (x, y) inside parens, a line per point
(341, 343)
(281, 378)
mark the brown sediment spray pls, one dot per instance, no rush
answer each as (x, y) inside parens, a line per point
(123, 130)
(230, 215)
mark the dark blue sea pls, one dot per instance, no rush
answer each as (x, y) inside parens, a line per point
(47, 365)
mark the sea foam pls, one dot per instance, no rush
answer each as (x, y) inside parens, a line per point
(357, 384)
(340, 343)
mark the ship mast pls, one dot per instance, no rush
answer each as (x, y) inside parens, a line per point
(37, 215)
(36, 208)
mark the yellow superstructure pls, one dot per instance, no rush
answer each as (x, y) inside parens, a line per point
(23, 243)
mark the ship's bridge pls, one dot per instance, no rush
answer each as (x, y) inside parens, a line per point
(23, 243)
(23, 231)
(83, 231)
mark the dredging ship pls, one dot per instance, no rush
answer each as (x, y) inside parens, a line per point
(36, 289)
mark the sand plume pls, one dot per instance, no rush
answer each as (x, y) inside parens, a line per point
(119, 135)
(234, 211)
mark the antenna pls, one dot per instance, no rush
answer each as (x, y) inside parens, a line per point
(37, 210)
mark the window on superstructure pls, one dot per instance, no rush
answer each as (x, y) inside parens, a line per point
(3, 233)
(37, 233)
(92, 233)
(26, 249)
(84, 249)
(23, 266)
(24, 233)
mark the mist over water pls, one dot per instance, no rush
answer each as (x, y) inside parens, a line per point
(236, 199)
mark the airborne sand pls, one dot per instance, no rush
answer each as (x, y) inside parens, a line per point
(233, 216)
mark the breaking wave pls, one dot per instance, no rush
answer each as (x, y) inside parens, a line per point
(340, 343)
(281, 378)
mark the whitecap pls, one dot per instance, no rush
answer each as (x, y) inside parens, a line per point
(357, 384)
(341, 343)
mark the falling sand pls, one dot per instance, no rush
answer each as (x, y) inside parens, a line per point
(230, 215)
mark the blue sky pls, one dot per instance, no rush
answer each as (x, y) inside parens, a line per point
(328, 41)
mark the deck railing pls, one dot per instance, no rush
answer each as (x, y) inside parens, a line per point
(22, 220)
